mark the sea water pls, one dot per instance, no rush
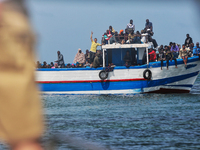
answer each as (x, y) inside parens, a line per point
(142, 121)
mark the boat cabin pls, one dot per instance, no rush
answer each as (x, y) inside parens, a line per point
(116, 52)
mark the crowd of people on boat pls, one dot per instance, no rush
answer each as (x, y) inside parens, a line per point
(129, 36)
(94, 57)
(174, 51)
(80, 60)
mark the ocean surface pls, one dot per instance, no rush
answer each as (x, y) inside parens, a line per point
(123, 122)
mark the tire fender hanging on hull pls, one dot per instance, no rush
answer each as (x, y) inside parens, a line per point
(147, 74)
(103, 74)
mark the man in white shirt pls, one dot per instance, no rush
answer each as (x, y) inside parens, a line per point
(130, 26)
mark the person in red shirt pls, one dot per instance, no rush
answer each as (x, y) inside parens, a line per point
(152, 55)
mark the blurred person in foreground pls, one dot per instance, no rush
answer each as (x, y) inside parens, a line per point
(21, 119)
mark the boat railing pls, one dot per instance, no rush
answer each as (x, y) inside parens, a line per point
(124, 39)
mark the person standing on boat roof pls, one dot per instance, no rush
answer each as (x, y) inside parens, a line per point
(130, 26)
(60, 60)
(148, 25)
(93, 48)
(188, 40)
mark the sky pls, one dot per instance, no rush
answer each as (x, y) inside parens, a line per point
(66, 25)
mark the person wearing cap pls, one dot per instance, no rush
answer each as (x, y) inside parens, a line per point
(196, 50)
(21, 114)
(121, 35)
(80, 57)
(130, 26)
(93, 48)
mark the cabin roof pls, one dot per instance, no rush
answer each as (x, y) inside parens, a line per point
(115, 46)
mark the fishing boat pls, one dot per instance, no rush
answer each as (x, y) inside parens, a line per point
(146, 78)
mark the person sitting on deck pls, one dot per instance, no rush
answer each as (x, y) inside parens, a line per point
(144, 37)
(68, 65)
(162, 56)
(126, 35)
(48, 66)
(175, 50)
(112, 31)
(123, 42)
(100, 57)
(96, 62)
(188, 40)
(159, 50)
(130, 27)
(51, 64)
(169, 56)
(121, 35)
(55, 65)
(80, 57)
(196, 50)
(131, 37)
(137, 38)
(110, 37)
(44, 64)
(127, 58)
(117, 39)
(38, 65)
(105, 38)
(150, 39)
(184, 54)
(152, 55)
(110, 67)
(87, 63)
(93, 48)
(87, 55)
(190, 50)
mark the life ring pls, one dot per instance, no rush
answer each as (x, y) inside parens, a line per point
(103, 74)
(147, 74)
